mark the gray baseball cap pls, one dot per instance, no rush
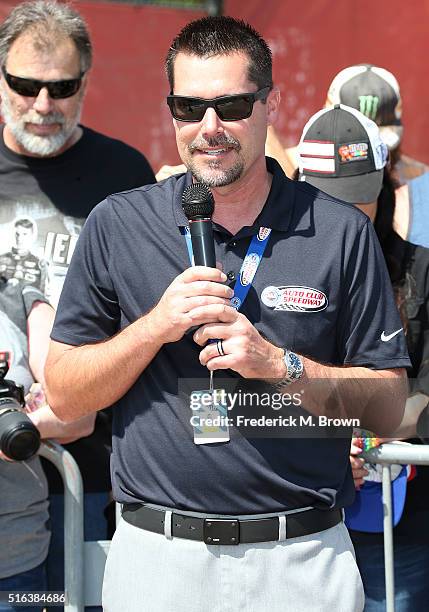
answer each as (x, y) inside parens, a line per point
(342, 153)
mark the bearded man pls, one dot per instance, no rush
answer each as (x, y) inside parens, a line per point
(54, 171)
(51, 165)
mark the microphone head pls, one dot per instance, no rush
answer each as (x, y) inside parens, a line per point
(198, 202)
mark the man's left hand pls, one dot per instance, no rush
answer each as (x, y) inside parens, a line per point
(246, 351)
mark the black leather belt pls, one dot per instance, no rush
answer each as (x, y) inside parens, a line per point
(229, 530)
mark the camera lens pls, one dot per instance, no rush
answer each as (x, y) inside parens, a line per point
(19, 438)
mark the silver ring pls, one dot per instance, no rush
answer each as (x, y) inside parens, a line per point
(219, 347)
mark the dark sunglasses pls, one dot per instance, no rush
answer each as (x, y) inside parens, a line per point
(228, 108)
(31, 87)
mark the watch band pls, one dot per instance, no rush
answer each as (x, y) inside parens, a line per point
(294, 368)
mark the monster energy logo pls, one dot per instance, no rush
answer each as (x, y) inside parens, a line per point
(369, 106)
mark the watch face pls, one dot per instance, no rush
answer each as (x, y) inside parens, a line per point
(296, 365)
(295, 360)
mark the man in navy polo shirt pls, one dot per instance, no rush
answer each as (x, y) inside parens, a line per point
(251, 522)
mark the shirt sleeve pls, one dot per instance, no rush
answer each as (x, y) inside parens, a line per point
(30, 296)
(88, 309)
(418, 193)
(370, 331)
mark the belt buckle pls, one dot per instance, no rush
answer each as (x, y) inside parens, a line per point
(221, 531)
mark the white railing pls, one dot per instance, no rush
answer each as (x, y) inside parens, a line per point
(386, 455)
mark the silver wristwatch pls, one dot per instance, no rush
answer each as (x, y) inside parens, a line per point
(294, 367)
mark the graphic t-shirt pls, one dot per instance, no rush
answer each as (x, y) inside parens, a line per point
(43, 205)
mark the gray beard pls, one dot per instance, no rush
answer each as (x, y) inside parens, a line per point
(214, 177)
(34, 144)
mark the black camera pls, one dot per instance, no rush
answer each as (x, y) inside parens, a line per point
(19, 438)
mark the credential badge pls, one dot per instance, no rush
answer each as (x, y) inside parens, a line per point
(250, 265)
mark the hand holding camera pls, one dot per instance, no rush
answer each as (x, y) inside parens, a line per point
(19, 438)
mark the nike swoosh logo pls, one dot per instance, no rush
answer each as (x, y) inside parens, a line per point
(385, 338)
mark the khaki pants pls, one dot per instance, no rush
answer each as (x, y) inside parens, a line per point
(146, 572)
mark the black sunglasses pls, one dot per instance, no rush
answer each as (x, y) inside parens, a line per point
(228, 108)
(31, 87)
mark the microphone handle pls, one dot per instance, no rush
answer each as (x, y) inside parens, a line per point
(204, 253)
(203, 243)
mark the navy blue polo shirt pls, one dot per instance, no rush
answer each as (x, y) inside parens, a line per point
(321, 289)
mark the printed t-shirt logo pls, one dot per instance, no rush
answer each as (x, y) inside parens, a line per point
(355, 151)
(250, 265)
(294, 298)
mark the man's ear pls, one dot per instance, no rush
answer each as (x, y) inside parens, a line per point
(273, 104)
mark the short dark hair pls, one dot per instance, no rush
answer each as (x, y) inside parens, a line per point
(24, 222)
(212, 36)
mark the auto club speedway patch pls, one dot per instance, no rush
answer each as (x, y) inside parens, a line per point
(294, 298)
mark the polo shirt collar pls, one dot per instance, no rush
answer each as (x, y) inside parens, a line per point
(278, 208)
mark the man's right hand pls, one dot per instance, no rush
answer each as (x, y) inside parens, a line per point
(195, 297)
(85, 378)
(357, 463)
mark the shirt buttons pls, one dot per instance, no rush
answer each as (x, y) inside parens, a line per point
(231, 275)
(233, 244)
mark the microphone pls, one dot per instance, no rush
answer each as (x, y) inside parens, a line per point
(198, 206)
